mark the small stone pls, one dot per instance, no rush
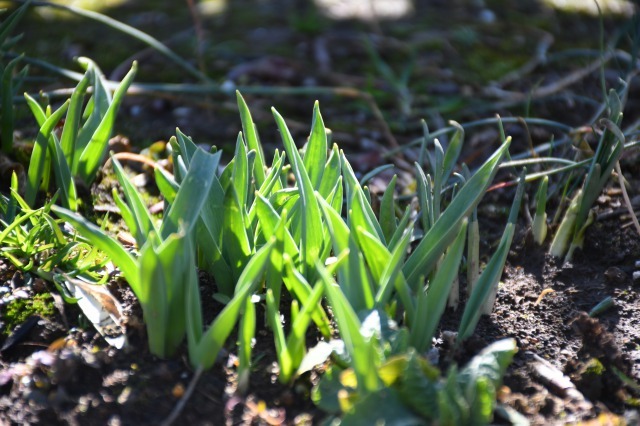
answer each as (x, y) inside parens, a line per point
(636, 276)
(178, 391)
(487, 16)
(615, 275)
(124, 396)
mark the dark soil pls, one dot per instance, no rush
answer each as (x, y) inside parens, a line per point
(58, 370)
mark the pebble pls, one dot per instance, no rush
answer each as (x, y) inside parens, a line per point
(124, 395)
(487, 16)
(636, 276)
(615, 275)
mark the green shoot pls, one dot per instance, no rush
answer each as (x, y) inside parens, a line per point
(539, 226)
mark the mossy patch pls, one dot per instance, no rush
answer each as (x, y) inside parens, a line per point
(18, 310)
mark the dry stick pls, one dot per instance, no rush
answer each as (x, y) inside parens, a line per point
(133, 157)
(550, 88)
(540, 58)
(197, 22)
(183, 401)
(119, 72)
(627, 201)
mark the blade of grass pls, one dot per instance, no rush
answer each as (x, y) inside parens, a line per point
(131, 31)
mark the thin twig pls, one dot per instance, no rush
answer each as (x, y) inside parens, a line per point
(627, 201)
(130, 156)
(183, 401)
(552, 88)
(540, 58)
(197, 22)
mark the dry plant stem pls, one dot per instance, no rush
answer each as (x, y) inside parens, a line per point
(211, 89)
(197, 23)
(550, 89)
(133, 157)
(143, 54)
(540, 58)
(183, 401)
(627, 201)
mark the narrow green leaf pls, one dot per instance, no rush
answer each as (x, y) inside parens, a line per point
(298, 333)
(269, 219)
(144, 224)
(485, 284)
(362, 352)
(166, 184)
(392, 277)
(311, 224)
(72, 121)
(186, 147)
(447, 226)
(359, 216)
(315, 155)
(93, 153)
(331, 173)
(353, 186)
(213, 339)
(431, 305)
(63, 177)
(387, 214)
(95, 110)
(38, 155)
(189, 199)
(99, 238)
(403, 224)
(453, 151)
(246, 333)
(235, 241)
(12, 20)
(6, 123)
(302, 290)
(284, 356)
(152, 295)
(240, 174)
(252, 139)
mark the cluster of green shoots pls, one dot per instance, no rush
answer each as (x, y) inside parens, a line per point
(596, 170)
(298, 233)
(264, 240)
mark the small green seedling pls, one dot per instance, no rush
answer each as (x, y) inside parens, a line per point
(539, 225)
(82, 146)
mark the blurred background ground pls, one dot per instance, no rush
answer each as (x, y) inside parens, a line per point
(434, 60)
